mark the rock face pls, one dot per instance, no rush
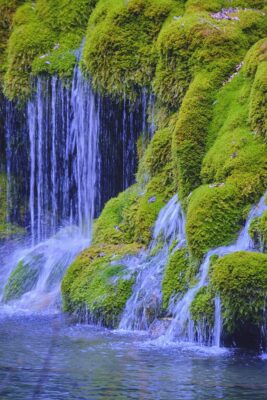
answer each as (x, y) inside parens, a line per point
(200, 69)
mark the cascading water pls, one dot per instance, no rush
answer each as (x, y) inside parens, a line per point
(181, 325)
(217, 322)
(80, 150)
(144, 305)
(63, 129)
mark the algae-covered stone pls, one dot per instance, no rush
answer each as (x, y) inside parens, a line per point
(174, 280)
(241, 281)
(24, 278)
(99, 283)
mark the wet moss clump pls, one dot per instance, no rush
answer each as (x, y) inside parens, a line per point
(202, 308)
(240, 279)
(24, 277)
(97, 285)
(175, 276)
(258, 232)
(234, 170)
(44, 39)
(120, 50)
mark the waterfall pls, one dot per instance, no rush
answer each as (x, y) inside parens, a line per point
(180, 327)
(143, 306)
(63, 129)
(217, 322)
(68, 152)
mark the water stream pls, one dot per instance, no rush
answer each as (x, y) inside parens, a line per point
(180, 327)
(61, 171)
(144, 305)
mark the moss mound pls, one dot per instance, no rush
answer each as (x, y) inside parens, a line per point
(234, 170)
(120, 50)
(174, 280)
(24, 278)
(97, 285)
(202, 308)
(44, 38)
(241, 281)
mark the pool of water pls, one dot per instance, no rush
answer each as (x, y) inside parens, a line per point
(45, 357)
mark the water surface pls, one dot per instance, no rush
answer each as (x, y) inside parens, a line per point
(45, 357)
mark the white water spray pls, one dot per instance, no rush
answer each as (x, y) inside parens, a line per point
(180, 325)
(144, 305)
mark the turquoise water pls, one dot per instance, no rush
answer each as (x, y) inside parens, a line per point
(45, 357)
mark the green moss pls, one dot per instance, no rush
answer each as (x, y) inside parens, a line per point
(23, 278)
(235, 168)
(7, 9)
(258, 232)
(202, 307)
(241, 281)
(130, 217)
(258, 102)
(112, 227)
(174, 281)
(190, 133)
(6, 229)
(98, 282)
(120, 51)
(44, 37)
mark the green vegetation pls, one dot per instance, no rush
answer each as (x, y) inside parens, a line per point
(258, 232)
(99, 283)
(6, 229)
(24, 277)
(174, 281)
(44, 38)
(120, 50)
(209, 76)
(234, 170)
(241, 281)
(202, 307)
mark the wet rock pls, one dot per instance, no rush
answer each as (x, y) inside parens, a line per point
(159, 327)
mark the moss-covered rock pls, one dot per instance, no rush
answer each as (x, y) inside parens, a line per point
(131, 216)
(258, 232)
(44, 38)
(202, 307)
(24, 277)
(234, 170)
(174, 280)
(120, 49)
(98, 283)
(7, 10)
(241, 281)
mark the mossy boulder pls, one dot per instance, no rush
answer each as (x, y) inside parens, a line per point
(175, 274)
(24, 277)
(44, 39)
(97, 285)
(234, 170)
(202, 307)
(240, 279)
(120, 49)
(130, 217)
